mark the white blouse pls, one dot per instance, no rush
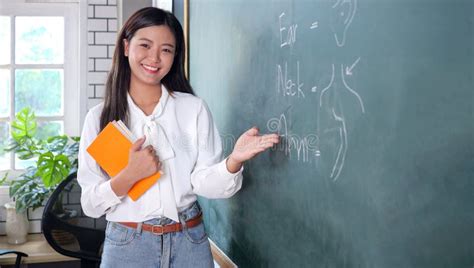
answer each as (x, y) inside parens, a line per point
(189, 147)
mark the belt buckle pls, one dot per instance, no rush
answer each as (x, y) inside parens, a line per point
(157, 226)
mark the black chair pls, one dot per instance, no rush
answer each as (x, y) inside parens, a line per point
(19, 254)
(68, 230)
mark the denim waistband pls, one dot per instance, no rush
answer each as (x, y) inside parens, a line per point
(184, 215)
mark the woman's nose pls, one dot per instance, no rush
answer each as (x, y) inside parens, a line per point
(155, 55)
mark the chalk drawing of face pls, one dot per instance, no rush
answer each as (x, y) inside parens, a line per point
(343, 12)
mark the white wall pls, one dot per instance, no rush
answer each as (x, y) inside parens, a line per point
(128, 7)
(101, 35)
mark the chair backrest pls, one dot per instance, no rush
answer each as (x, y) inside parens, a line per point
(67, 229)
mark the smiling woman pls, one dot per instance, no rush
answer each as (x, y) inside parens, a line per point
(148, 91)
(150, 55)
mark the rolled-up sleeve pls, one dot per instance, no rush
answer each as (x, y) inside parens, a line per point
(210, 177)
(97, 197)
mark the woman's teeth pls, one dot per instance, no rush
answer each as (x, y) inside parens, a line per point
(150, 68)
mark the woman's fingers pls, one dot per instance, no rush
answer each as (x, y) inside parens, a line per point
(268, 140)
(137, 144)
(149, 148)
(251, 143)
(252, 131)
(271, 137)
(159, 166)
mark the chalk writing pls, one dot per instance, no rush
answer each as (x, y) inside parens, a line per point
(314, 25)
(329, 116)
(306, 148)
(286, 86)
(290, 33)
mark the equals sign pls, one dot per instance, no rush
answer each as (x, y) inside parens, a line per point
(314, 25)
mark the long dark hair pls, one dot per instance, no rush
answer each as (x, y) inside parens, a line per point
(118, 80)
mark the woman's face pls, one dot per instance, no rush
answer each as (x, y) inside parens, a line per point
(150, 54)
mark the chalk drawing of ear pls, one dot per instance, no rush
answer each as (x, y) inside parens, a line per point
(343, 12)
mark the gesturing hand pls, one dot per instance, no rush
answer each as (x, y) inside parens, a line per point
(249, 145)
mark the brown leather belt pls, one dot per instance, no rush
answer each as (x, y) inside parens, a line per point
(164, 229)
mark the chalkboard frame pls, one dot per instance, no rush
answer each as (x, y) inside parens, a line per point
(180, 10)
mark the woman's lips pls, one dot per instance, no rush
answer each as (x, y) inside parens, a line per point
(150, 69)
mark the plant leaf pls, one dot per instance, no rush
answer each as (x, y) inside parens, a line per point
(11, 145)
(27, 149)
(24, 125)
(53, 169)
(56, 143)
(4, 179)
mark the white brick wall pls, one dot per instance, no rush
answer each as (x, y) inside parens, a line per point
(96, 25)
(103, 64)
(91, 90)
(112, 25)
(102, 33)
(111, 51)
(100, 91)
(35, 226)
(90, 38)
(90, 11)
(96, 78)
(36, 214)
(97, 2)
(97, 52)
(93, 102)
(4, 198)
(105, 38)
(105, 12)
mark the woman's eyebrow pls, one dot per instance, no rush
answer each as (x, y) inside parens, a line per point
(148, 40)
(145, 39)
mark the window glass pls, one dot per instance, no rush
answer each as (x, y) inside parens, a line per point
(4, 92)
(40, 89)
(4, 156)
(5, 40)
(39, 40)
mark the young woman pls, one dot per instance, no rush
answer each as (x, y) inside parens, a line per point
(146, 88)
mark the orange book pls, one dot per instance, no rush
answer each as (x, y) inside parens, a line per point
(110, 150)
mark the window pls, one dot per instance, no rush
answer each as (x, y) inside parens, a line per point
(39, 58)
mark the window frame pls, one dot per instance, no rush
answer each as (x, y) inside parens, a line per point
(71, 66)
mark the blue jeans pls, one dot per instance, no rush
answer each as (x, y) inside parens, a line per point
(132, 247)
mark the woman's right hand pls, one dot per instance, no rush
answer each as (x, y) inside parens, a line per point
(142, 162)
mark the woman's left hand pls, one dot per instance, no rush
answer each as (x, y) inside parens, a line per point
(249, 145)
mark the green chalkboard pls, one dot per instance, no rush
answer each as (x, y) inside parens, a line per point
(374, 103)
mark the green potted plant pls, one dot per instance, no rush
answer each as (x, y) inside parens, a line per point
(56, 159)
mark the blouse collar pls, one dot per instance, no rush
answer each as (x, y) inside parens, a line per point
(157, 111)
